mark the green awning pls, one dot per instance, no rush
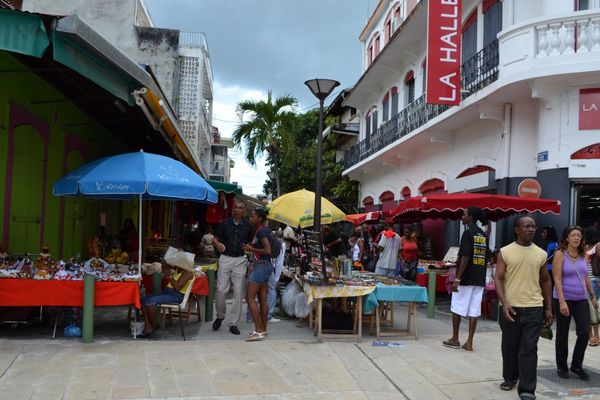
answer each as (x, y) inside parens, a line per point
(88, 64)
(22, 33)
(225, 187)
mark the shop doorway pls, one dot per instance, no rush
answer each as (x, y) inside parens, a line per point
(586, 204)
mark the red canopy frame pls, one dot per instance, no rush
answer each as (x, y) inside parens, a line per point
(452, 206)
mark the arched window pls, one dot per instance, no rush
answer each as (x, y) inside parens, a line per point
(374, 120)
(394, 94)
(369, 204)
(469, 36)
(377, 47)
(386, 196)
(475, 170)
(432, 185)
(405, 192)
(409, 86)
(492, 20)
(385, 107)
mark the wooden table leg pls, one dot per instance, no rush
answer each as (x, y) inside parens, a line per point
(409, 316)
(359, 311)
(319, 321)
(310, 315)
(377, 322)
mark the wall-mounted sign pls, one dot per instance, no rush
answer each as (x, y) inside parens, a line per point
(529, 188)
(443, 52)
(543, 156)
(589, 109)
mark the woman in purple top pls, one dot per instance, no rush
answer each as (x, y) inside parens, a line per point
(571, 291)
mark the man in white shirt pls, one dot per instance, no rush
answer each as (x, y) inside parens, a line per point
(389, 245)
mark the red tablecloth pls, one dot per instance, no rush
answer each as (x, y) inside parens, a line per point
(30, 292)
(440, 281)
(200, 285)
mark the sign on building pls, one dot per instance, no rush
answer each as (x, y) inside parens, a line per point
(443, 52)
(589, 109)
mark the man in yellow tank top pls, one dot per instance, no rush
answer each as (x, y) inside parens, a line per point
(525, 291)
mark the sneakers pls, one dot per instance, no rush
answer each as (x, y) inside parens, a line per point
(234, 329)
(273, 320)
(217, 324)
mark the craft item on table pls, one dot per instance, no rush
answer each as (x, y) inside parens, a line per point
(44, 264)
(26, 269)
(116, 256)
(132, 274)
(62, 274)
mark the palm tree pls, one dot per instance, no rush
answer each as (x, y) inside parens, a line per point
(266, 129)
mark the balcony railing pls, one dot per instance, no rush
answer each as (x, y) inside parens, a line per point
(476, 73)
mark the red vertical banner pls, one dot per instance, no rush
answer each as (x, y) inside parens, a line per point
(443, 52)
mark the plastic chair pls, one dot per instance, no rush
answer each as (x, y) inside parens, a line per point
(177, 307)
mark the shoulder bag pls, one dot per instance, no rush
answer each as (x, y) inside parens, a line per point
(594, 313)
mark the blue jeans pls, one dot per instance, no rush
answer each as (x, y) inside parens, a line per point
(519, 347)
(167, 296)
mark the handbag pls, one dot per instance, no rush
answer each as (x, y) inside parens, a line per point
(594, 312)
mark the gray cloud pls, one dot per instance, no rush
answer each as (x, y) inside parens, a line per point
(274, 44)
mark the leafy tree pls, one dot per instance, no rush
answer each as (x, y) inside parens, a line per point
(265, 130)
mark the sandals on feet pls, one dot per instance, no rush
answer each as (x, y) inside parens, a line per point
(255, 336)
(467, 347)
(451, 343)
(508, 385)
(594, 342)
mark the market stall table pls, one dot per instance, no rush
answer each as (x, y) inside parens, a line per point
(67, 293)
(412, 294)
(320, 292)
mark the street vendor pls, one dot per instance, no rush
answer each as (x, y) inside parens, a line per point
(388, 246)
(180, 277)
(332, 242)
(129, 239)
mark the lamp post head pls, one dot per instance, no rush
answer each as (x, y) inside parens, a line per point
(321, 88)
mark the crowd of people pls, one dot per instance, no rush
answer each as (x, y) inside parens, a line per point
(552, 279)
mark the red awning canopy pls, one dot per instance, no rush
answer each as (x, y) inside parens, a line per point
(451, 206)
(358, 219)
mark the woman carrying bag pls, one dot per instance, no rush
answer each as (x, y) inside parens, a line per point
(572, 296)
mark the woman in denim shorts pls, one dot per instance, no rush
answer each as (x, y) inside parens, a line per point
(260, 272)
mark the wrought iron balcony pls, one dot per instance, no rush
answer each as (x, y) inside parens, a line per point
(476, 73)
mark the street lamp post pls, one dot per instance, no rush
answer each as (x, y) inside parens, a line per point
(321, 88)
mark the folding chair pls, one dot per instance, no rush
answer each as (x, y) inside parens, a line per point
(179, 308)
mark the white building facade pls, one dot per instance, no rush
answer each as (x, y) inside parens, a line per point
(179, 61)
(530, 99)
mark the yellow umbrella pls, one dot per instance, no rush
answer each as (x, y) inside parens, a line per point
(297, 209)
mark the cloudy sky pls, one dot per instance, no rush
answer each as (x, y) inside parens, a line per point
(261, 45)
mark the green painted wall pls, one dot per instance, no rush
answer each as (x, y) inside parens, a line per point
(81, 215)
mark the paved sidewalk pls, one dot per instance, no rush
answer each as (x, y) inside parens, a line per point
(291, 364)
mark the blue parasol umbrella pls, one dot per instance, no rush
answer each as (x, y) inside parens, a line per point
(136, 175)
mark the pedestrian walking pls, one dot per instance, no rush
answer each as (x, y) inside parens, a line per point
(524, 289)
(592, 252)
(261, 270)
(467, 289)
(572, 289)
(231, 234)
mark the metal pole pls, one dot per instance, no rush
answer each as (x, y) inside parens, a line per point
(140, 244)
(89, 281)
(317, 208)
